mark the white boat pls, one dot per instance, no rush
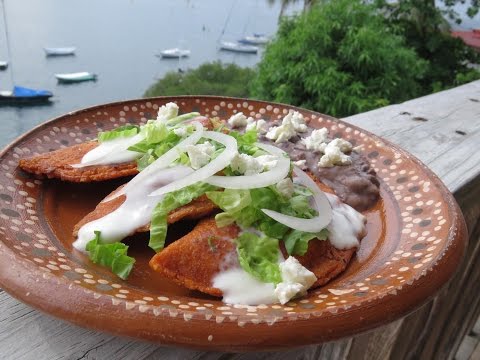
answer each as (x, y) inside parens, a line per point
(174, 53)
(237, 47)
(59, 51)
(255, 39)
(3, 65)
(76, 77)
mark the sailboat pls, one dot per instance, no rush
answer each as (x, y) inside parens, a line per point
(237, 47)
(174, 53)
(20, 95)
(255, 39)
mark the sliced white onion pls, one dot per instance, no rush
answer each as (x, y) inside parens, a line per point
(322, 205)
(163, 161)
(216, 165)
(194, 116)
(267, 178)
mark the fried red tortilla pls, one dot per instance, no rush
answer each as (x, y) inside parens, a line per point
(195, 259)
(325, 261)
(57, 164)
(197, 209)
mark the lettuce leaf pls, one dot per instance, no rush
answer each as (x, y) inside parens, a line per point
(246, 141)
(259, 257)
(113, 256)
(170, 202)
(122, 131)
(296, 242)
(230, 200)
(243, 207)
(155, 132)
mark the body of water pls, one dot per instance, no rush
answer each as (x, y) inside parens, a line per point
(118, 40)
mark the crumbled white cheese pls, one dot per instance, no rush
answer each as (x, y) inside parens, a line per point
(317, 140)
(297, 120)
(281, 133)
(292, 123)
(259, 125)
(200, 154)
(342, 144)
(249, 165)
(267, 161)
(285, 291)
(285, 187)
(296, 280)
(300, 163)
(246, 164)
(333, 154)
(181, 131)
(167, 111)
(237, 120)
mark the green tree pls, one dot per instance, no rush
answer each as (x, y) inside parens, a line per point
(425, 29)
(208, 79)
(338, 58)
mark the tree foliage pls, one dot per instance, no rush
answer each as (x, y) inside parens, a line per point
(425, 29)
(338, 58)
(208, 79)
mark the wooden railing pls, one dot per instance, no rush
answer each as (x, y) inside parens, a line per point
(442, 130)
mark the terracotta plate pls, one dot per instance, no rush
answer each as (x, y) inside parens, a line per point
(416, 237)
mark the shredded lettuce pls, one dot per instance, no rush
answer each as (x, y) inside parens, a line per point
(122, 131)
(296, 242)
(170, 202)
(113, 256)
(158, 141)
(246, 141)
(259, 257)
(145, 160)
(243, 207)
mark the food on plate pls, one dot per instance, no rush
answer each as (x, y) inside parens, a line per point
(57, 164)
(107, 157)
(277, 203)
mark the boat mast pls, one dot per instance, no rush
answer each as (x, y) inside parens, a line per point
(7, 42)
(226, 21)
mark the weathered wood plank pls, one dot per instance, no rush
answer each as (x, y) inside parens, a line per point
(437, 329)
(435, 141)
(434, 331)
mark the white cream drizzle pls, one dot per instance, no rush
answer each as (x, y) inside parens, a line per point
(136, 210)
(239, 287)
(347, 223)
(111, 152)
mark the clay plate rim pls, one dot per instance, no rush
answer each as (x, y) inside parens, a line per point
(18, 275)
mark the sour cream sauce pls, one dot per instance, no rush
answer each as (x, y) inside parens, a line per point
(111, 152)
(239, 287)
(136, 210)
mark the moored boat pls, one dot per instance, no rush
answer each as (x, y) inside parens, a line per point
(76, 77)
(22, 95)
(59, 51)
(3, 65)
(237, 47)
(174, 53)
(255, 39)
